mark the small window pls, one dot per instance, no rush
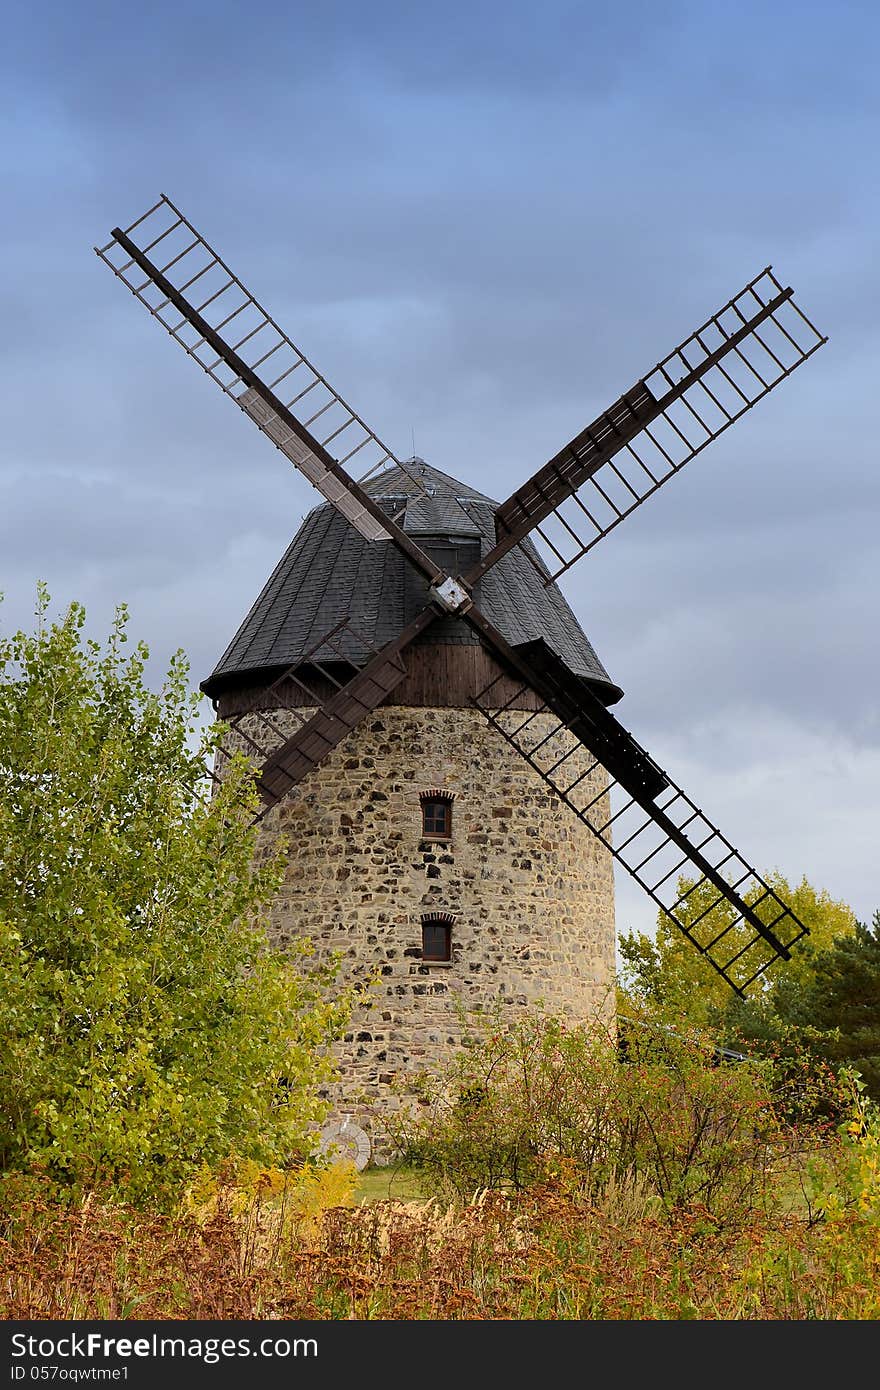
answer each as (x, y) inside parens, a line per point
(436, 938)
(436, 816)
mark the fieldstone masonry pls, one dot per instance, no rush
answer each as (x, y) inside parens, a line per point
(530, 887)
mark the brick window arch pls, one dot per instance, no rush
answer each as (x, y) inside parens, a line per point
(437, 936)
(436, 808)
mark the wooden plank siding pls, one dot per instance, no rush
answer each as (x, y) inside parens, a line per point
(438, 676)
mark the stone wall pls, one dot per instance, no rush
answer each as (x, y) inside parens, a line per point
(530, 886)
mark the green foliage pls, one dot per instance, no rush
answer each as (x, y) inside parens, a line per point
(851, 1183)
(537, 1098)
(256, 1244)
(835, 1013)
(147, 1029)
(822, 1004)
(667, 974)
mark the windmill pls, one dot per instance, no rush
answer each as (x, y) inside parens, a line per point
(546, 711)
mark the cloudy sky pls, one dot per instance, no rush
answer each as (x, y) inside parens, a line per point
(482, 222)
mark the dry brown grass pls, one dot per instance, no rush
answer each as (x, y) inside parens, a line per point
(547, 1254)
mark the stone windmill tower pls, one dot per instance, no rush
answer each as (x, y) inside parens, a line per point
(425, 847)
(428, 722)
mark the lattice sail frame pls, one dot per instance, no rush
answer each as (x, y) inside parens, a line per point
(284, 757)
(257, 730)
(656, 832)
(256, 366)
(687, 400)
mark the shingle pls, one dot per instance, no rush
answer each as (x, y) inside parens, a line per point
(330, 573)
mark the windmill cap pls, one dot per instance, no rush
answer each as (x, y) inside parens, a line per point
(330, 573)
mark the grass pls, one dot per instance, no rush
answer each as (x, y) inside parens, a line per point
(549, 1253)
(702, 1222)
(391, 1183)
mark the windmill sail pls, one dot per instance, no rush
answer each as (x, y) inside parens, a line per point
(339, 716)
(685, 402)
(650, 825)
(332, 695)
(183, 282)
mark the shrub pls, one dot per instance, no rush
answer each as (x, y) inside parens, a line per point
(537, 1098)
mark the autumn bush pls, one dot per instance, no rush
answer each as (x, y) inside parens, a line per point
(523, 1101)
(554, 1250)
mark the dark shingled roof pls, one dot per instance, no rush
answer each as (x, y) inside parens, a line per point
(329, 573)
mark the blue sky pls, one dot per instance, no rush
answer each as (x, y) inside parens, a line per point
(482, 222)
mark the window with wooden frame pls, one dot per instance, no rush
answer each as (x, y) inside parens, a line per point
(436, 807)
(437, 936)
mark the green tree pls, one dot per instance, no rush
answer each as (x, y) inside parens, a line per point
(818, 1010)
(836, 1014)
(147, 1029)
(666, 974)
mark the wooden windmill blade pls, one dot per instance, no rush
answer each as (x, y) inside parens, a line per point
(687, 400)
(282, 759)
(336, 718)
(657, 832)
(184, 283)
